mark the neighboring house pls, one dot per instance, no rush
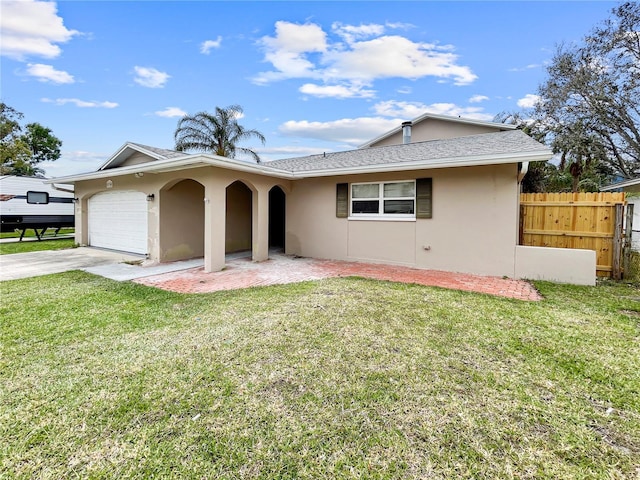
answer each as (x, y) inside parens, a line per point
(26, 202)
(632, 187)
(450, 204)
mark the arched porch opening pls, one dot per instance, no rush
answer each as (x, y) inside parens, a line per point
(277, 219)
(238, 223)
(181, 222)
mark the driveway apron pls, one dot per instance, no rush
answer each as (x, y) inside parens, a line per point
(45, 262)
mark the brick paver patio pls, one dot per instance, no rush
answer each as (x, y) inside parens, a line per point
(281, 269)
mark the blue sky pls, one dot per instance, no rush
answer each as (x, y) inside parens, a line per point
(311, 76)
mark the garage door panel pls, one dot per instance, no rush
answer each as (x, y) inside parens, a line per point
(118, 221)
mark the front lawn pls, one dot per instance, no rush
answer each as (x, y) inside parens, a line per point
(341, 378)
(23, 247)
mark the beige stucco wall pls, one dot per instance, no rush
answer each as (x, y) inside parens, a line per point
(473, 229)
(136, 159)
(181, 221)
(238, 223)
(434, 129)
(564, 265)
(215, 181)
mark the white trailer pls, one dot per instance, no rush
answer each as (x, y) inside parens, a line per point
(27, 202)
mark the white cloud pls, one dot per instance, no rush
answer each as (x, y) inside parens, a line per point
(353, 131)
(207, 45)
(296, 38)
(478, 98)
(46, 73)
(171, 112)
(526, 67)
(350, 33)
(409, 110)
(80, 103)
(395, 56)
(336, 91)
(305, 51)
(150, 77)
(288, 50)
(32, 28)
(528, 101)
(406, 110)
(400, 25)
(73, 162)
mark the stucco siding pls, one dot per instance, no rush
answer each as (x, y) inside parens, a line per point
(213, 224)
(433, 129)
(475, 216)
(564, 265)
(473, 228)
(384, 242)
(312, 229)
(136, 159)
(182, 221)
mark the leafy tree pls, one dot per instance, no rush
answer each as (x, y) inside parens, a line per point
(42, 144)
(22, 148)
(578, 156)
(218, 133)
(589, 106)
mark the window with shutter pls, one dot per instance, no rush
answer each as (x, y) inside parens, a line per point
(342, 200)
(383, 200)
(424, 198)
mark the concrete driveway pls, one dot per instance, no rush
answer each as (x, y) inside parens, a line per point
(33, 264)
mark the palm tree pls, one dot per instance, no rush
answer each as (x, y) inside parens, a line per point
(217, 133)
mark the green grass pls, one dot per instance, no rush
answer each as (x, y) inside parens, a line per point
(30, 233)
(23, 247)
(342, 378)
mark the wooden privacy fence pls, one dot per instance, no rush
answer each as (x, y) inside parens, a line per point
(591, 221)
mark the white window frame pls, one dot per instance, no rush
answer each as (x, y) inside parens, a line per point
(381, 198)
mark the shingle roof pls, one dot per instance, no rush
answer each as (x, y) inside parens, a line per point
(513, 142)
(160, 151)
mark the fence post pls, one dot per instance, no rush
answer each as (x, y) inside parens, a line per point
(617, 242)
(628, 229)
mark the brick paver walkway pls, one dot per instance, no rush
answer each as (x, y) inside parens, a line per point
(280, 269)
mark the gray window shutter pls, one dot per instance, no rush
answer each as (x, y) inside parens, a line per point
(342, 200)
(424, 198)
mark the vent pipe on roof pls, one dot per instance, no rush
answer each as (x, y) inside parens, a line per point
(406, 132)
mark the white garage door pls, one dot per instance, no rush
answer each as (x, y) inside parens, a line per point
(118, 220)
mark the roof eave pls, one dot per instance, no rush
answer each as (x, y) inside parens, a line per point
(626, 183)
(172, 164)
(453, 162)
(204, 160)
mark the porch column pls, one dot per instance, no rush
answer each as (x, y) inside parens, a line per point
(260, 225)
(214, 226)
(82, 221)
